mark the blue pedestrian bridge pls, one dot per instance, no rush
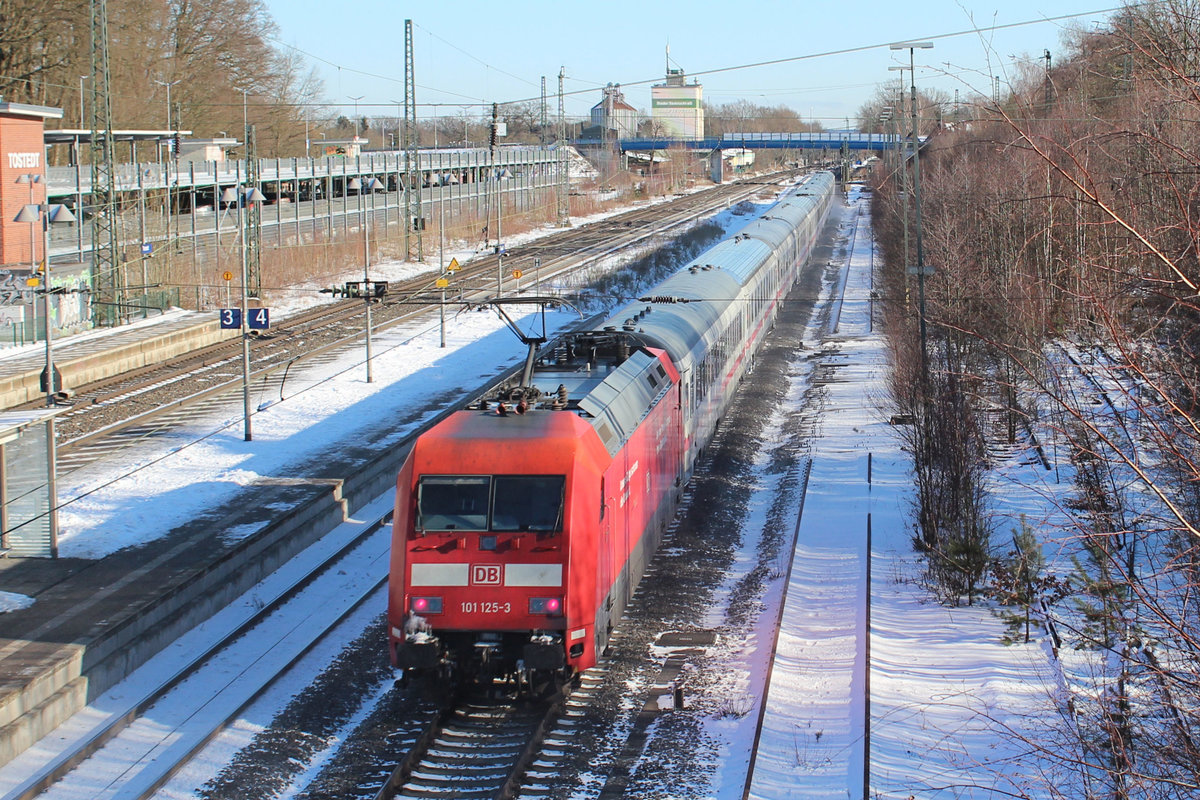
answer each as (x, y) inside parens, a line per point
(817, 140)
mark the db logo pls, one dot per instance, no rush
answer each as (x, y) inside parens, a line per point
(485, 574)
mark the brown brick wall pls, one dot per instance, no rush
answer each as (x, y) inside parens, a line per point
(21, 153)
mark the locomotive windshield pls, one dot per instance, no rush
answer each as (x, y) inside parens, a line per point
(504, 503)
(453, 502)
(528, 503)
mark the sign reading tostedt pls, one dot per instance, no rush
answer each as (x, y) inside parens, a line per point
(24, 160)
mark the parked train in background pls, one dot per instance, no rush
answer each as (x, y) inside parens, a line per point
(524, 522)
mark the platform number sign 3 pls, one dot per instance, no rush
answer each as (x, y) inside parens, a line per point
(231, 318)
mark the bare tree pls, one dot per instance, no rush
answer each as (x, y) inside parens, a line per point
(1064, 228)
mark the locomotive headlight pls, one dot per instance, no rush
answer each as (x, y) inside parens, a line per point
(427, 605)
(550, 606)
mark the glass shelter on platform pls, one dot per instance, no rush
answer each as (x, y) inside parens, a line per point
(28, 495)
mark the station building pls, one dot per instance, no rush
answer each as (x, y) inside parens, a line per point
(22, 178)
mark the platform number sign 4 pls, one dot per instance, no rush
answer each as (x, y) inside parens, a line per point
(258, 319)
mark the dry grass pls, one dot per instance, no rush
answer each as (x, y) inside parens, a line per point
(322, 260)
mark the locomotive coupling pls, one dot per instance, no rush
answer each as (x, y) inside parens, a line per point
(544, 652)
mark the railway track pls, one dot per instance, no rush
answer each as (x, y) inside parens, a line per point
(154, 725)
(141, 398)
(479, 750)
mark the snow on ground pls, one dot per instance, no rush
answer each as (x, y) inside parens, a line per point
(11, 601)
(219, 686)
(141, 493)
(942, 684)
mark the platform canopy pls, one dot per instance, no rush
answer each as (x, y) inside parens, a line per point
(84, 135)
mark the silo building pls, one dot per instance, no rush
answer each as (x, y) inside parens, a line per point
(613, 115)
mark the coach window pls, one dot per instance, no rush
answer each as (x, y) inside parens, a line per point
(453, 502)
(528, 503)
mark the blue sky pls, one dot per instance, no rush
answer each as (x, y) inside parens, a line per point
(474, 53)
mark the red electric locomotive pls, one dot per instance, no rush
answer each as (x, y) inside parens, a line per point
(524, 522)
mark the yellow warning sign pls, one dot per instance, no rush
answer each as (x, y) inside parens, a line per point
(441, 283)
(32, 281)
(517, 273)
(454, 267)
(227, 275)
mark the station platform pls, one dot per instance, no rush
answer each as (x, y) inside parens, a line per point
(92, 622)
(88, 357)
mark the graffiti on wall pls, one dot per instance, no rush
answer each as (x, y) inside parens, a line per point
(13, 290)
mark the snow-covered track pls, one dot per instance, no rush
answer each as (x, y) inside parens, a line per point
(787, 580)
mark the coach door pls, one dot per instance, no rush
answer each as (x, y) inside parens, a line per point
(606, 568)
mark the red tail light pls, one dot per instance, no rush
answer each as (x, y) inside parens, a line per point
(426, 605)
(550, 606)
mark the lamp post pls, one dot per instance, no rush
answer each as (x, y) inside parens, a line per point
(355, 99)
(31, 178)
(360, 186)
(911, 47)
(242, 195)
(903, 167)
(47, 213)
(168, 84)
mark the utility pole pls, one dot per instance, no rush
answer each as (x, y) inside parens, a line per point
(441, 244)
(495, 179)
(487, 186)
(107, 281)
(253, 231)
(904, 182)
(916, 146)
(411, 134)
(563, 162)
(542, 121)
(1047, 86)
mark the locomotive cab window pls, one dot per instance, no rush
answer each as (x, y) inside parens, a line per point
(528, 503)
(501, 503)
(453, 502)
